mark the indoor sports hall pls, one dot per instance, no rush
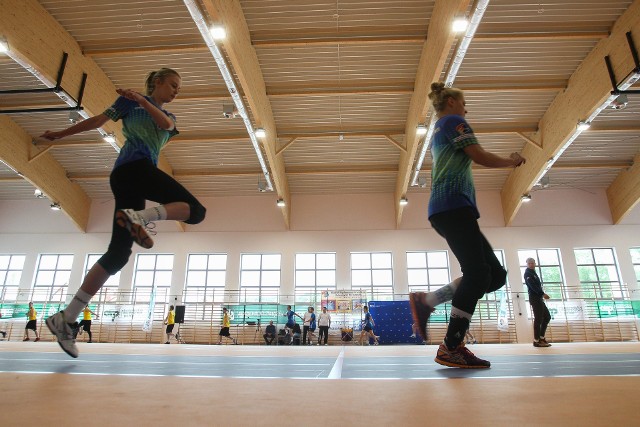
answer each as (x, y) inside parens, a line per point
(301, 177)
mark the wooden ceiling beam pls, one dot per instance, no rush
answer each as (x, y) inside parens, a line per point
(244, 62)
(624, 192)
(588, 88)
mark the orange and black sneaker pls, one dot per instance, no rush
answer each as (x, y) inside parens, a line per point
(136, 226)
(420, 311)
(460, 357)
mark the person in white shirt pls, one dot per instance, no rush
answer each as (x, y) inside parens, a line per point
(324, 323)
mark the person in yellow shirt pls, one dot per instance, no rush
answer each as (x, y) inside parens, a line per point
(170, 320)
(85, 323)
(32, 315)
(226, 323)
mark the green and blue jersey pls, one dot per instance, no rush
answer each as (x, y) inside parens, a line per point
(144, 138)
(451, 178)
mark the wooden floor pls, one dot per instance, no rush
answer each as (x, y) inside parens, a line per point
(50, 390)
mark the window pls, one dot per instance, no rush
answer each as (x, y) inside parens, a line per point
(635, 259)
(152, 272)
(52, 277)
(598, 273)
(110, 287)
(260, 277)
(427, 271)
(548, 268)
(206, 278)
(373, 273)
(10, 273)
(314, 273)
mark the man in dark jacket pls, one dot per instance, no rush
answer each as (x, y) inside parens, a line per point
(270, 333)
(541, 315)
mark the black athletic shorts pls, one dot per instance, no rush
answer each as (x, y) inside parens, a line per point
(31, 324)
(169, 328)
(85, 325)
(368, 328)
(224, 332)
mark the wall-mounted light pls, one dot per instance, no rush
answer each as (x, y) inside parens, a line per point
(280, 203)
(74, 117)
(38, 193)
(582, 126)
(55, 206)
(110, 138)
(526, 197)
(260, 133)
(404, 201)
(422, 181)
(421, 129)
(4, 46)
(460, 24)
(218, 32)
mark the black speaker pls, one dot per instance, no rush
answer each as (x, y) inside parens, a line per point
(179, 314)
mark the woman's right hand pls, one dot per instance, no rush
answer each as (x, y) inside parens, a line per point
(517, 159)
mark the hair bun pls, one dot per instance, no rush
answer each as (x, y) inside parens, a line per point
(437, 87)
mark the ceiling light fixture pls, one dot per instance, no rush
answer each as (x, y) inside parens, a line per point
(582, 126)
(4, 46)
(260, 133)
(421, 129)
(218, 32)
(280, 203)
(454, 66)
(460, 24)
(110, 138)
(38, 193)
(55, 206)
(203, 27)
(404, 201)
(526, 197)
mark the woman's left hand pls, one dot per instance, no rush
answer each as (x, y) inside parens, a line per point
(131, 94)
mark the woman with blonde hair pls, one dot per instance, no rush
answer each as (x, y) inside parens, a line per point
(135, 178)
(453, 213)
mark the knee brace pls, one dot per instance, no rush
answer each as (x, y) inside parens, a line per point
(197, 213)
(115, 259)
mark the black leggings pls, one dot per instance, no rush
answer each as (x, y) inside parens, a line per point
(481, 270)
(133, 183)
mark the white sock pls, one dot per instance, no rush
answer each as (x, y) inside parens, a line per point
(77, 304)
(443, 294)
(456, 312)
(156, 213)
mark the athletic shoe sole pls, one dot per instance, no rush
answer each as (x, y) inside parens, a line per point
(52, 330)
(420, 312)
(137, 231)
(456, 365)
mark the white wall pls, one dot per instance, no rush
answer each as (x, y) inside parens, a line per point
(341, 224)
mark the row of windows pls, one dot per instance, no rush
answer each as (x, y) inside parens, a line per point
(260, 274)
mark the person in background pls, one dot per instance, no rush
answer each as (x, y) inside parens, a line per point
(324, 323)
(541, 315)
(270, 333)
(290, 318)
(85, 323)
(367, 327)
(226, 324)
(170, 321)
(32, 315)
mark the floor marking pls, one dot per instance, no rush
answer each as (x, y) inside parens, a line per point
(336, 371)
